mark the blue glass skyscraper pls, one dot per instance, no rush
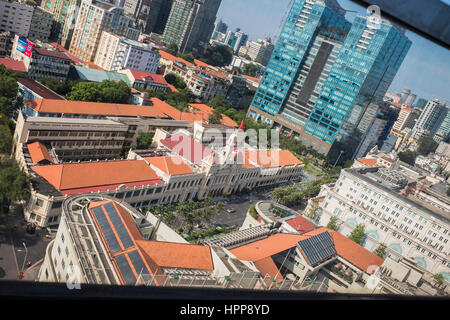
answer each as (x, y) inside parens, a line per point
(327, 78)
(367, 63)
(306, 19)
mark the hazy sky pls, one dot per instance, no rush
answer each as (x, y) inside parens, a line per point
(425, 70)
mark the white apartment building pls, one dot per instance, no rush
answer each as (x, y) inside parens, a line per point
(411, 225)
(431, 118)
(94, 18)
(15, 17)
(260, 51)
(116, 52)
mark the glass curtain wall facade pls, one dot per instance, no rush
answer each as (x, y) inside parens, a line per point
(306, 19)
(358, 81)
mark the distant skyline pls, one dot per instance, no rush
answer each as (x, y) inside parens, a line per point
(425, 70)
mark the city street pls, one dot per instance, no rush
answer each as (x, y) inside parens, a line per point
(17, 247)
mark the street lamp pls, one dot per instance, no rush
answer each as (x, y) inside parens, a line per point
(25, 259)
(340, 154)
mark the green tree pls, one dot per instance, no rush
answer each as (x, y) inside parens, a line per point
(188, 57)
(9, 90)
(332, 224)
(219, 207)
(172, 49)
(357, 235)
(250, 69)
(215, 117)
(439, 279)
(426, 146)
(408, 157)
(14, 184)
(58, 86)
(160, 94)
(381, 250)
(144, 140)
(5, 136)
(175, 80)
(219, 56)
(220, 103)
(106, 91)
(180, 100)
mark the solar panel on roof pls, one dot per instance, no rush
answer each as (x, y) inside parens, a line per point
(137, 262)
(118, 225)
(318, 248)
(106, 229)
(125, 270)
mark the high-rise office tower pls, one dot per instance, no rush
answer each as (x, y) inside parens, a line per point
(407, 98)
(220, 26)
(190, 24)
(312, 31)
(342, 87)
(421, 103)
(365, 67)
(431, 118)
(151, 15)
(65, 13)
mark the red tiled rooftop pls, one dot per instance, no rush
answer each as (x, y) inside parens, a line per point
(97, 108)
(110, 174)
(349, 250)
(178, 255)
(71, 56)
(367, 162)
(270, 158)
(187, 147)
(170, 165)
(12, 64)
(300, 224)
(142, 75)
(168, 56)
(50, 53)
(269, 269)
(38, 152)
(266, 247)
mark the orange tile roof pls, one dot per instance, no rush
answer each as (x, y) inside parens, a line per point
(38, 152)
(94, 66)
(97, 108)
(367, 162)
(168, 56)
(171, 165)
(207, 110)
(267, 267)
(348, 249)
(201, 107)
(201, 63)
(14, 65)
(89, 174)
(269, 158)
(142, 76)
(251, 78)
(178, 255)
(266, 247)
